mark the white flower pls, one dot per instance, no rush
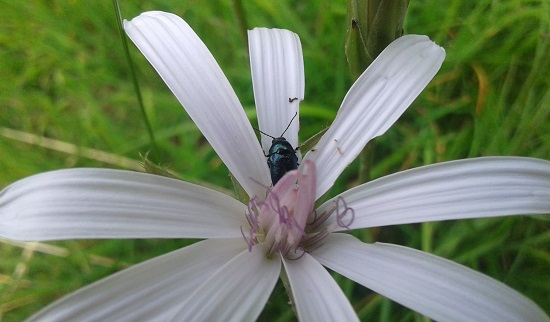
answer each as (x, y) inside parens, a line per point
(229, 276)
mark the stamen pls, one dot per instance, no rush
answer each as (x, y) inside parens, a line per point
(314, 217)
(252, 216)
(313, 241)
(301, 255)
(247, 240)
(272, 249)
(319, 220)
(276, 206)
(340, 216)
(283, 212)
(253, 212)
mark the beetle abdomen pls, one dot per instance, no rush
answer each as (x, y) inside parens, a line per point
(281, 159)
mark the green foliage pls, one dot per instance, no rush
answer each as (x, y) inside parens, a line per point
(64, 77)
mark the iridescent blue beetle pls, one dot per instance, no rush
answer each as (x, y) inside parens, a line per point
(281, 157)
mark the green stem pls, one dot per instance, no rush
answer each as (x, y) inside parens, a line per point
(240, 16)
(371, 26)
(366, 159)
(427, 236)
(133, 73)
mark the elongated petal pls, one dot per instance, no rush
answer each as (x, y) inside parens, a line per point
(433, 286)
(191, 72)
(316, 295)
(148, 291)
(278, 77)
(470, 188)
(375, 102)
(306, 194)
(238, 290)
(103, 203)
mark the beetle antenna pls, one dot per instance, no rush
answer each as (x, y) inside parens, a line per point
(292, 119)
(263, 133)
(295, 114)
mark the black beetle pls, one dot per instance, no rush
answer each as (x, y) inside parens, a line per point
(281, 157)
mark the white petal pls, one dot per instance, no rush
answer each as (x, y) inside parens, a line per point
(316, 295)
(433, 286)
(376, 100)
(149, 291)
(238, 291)
(191, 72)
(470, 188)
(278, 77)
(103, 203)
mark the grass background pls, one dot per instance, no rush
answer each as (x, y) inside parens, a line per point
(67, 100)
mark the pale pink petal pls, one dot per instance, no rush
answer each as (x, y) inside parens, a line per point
(237, 291)
(433, 286)
(306, 193)
(316, 295)
(149, 291)
(376, 100)
(191, 72)
(470, 188)
(282, 194)
(103, 203)
(278, 77)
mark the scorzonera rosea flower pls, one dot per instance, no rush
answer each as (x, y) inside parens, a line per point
(230, 275)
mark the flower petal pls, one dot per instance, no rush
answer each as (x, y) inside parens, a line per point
(433, 286)
(277, 69)
(470, 188)
(376, 100)
(149, 291)
(316, 295)
(238, 290)
(103, 203)
(306, 194)
(191, 72)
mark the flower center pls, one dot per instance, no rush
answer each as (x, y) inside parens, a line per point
(281, 218)
(285, 219)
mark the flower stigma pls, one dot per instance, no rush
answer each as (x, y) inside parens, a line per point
(286, 219)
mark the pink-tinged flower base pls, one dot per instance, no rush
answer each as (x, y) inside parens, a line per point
(286, 220)
(281, 218)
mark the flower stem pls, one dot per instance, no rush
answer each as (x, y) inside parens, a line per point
(371, 26)
(427, 234)
(240, 16)
(366, 159)
(134, 77)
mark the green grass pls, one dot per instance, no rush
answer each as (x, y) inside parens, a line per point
(64, 76)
